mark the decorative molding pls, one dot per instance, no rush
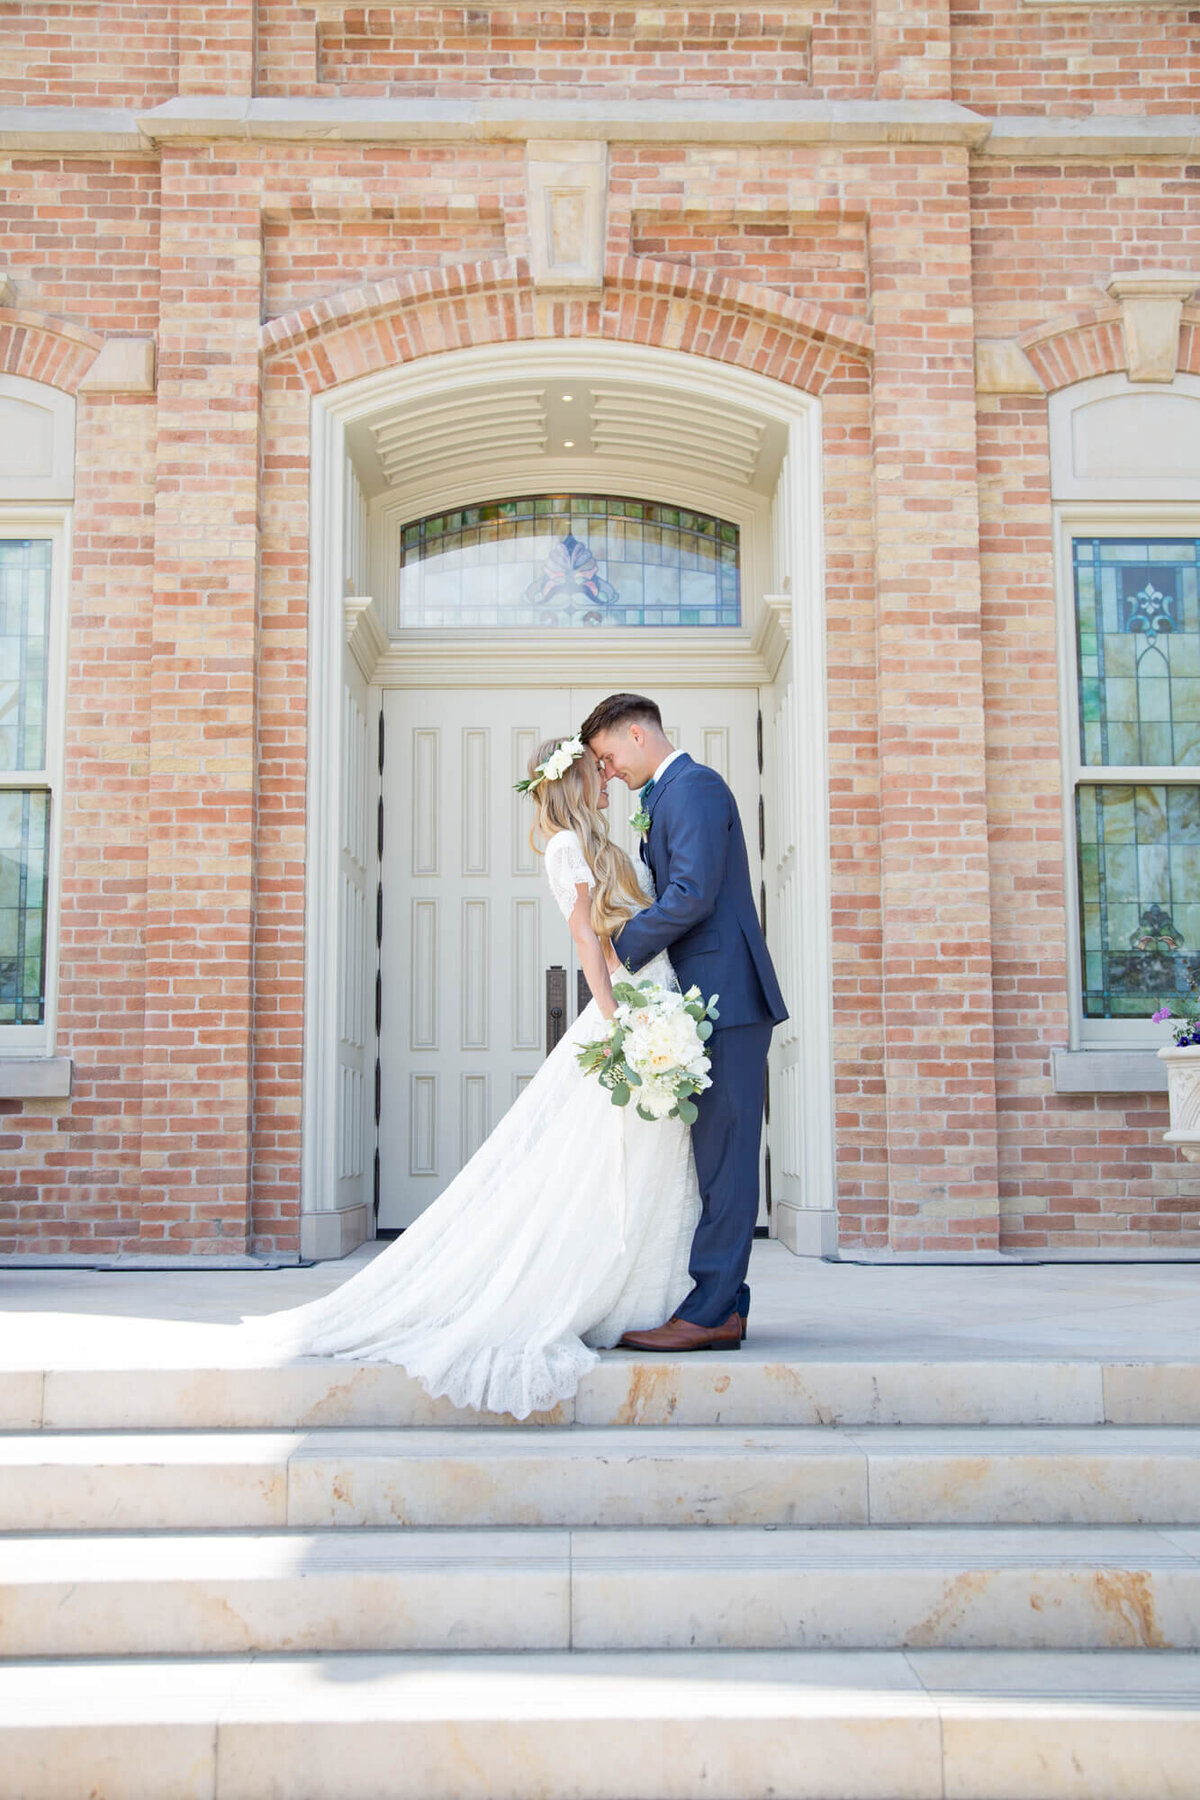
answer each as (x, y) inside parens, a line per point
(124, 366)
(510, 659)
(1098, 135)
(773, 633)
(566, 186)
(77, 129)
(1152, 311)
(628, 121)
(92, 130)
(366, 638)
(1002, 367)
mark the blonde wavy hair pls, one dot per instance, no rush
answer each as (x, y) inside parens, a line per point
(569, 804)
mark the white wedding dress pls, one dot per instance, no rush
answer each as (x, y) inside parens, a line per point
(572, 1224)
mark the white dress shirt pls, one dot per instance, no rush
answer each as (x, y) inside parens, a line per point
(665, 764)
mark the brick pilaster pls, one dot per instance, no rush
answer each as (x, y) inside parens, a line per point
(195, 1156)
(939, 1056)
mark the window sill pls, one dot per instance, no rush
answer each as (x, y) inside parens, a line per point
(35, 1077)
(1108, 1072)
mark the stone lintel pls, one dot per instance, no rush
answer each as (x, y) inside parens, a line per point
(733, 121)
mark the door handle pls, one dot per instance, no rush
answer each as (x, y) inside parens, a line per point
(556, 1005)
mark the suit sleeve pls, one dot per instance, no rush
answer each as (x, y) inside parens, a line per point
(697, 828)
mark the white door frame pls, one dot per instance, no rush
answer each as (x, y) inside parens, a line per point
(796, 611)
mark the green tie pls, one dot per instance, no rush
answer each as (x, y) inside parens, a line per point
(645, 793)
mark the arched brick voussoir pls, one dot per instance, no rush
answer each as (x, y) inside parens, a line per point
(665, 305)
(43, 348)
(1076, 348)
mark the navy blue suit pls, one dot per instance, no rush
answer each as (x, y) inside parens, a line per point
(706, 918)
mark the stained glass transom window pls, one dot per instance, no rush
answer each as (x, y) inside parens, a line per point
(563, 560)
(24, 628)
(24, 842)
(1137, 604)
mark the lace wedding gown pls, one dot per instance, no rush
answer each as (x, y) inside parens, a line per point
(572, 1224)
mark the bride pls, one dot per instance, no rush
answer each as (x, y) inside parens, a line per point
(573, 1222)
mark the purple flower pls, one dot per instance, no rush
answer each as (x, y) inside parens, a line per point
(1164, 1012)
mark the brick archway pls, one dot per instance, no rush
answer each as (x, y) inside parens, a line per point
(42, 348)
(656, 304)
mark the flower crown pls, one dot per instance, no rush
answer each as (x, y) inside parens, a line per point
(554, 767)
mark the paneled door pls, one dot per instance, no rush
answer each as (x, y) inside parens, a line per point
(468, 925)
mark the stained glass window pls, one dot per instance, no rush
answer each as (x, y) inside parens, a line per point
(24, 627)
(1137, 613)
(24, 841)
(563, 560)
(1137, 604)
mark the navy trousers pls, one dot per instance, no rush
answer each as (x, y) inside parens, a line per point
(725, 1141)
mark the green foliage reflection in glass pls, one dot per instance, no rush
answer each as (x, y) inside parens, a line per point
(555, 560)
(1139, 896)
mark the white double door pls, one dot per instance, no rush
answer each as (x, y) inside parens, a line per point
(469, 929)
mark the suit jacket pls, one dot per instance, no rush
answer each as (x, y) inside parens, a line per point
(705, 914)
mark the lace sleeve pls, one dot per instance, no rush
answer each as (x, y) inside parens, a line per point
(566, 866)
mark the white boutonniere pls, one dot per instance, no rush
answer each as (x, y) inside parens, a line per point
(640, 820)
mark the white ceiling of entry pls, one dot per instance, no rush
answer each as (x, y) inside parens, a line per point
(598, 425)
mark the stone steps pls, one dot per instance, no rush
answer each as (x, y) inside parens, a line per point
(679, 1475)
(788, 1725)
(180, 1594)
(727, 1576)
(747, 1388)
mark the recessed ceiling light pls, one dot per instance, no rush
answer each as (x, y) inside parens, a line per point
(568, 396)
(568, 443)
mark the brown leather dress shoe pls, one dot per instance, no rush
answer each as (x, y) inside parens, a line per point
(679, 1334)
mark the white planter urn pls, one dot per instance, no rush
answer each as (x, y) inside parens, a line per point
(1183, 1089)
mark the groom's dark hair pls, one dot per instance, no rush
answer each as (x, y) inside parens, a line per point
(617, 710)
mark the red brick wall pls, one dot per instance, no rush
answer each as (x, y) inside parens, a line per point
(76, 53)
(80, 239)
(1075, 60)
(757, 52)
(182, 884)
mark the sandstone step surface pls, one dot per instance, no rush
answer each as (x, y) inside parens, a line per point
(931, 1533)
(791, 1475)
(925, 1725)
(745, 1388)
(177, 1594)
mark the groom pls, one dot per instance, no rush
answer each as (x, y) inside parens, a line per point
(706, 918)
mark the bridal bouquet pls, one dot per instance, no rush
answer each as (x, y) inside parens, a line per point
(653, 1047)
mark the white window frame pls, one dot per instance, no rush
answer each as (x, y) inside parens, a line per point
(52, 521)
(1102, 519)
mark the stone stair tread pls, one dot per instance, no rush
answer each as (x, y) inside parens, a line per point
(763, 1384)
(97, 1557)
(411, 1443)
(810, 1725)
